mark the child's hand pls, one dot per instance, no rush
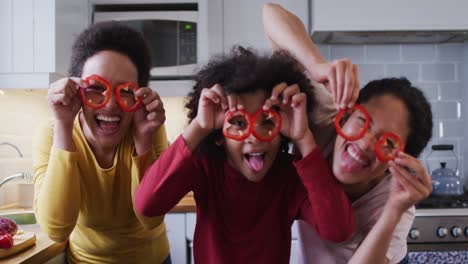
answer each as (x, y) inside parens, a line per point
(410, 182)
(293, 109)
(211, 108)
(147, 119)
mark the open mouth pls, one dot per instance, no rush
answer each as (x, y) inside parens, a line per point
(353, 159)
(255, 161)
(108, 123)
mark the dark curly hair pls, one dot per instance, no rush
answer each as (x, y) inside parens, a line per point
(245, 71)
(116, 37)
(419, 109)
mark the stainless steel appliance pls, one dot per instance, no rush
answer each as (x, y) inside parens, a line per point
(440, 231)
(172, 30)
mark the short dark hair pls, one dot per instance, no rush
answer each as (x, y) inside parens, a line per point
(116, 37)
(245, 71)
(419, 109)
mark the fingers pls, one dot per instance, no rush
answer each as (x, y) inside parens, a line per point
(277, 90)
(215, 95)
(340, 67)
(343, 82)
(413, 166)
(64, 90)
(299, 100)
(281, 95)
(357, 86)
(348, 87)
(220, 93)
(417, 183)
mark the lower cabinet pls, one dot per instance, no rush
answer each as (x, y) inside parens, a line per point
(180, 228)
(175, 227)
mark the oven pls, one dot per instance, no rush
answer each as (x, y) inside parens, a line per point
(439, 233)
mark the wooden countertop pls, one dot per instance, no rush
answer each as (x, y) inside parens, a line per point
(45, 249)
(186, 205)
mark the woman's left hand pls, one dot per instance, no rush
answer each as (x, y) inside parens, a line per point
(411, 182)
(148, 118)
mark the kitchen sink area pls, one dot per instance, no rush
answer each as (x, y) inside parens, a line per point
(21, 218)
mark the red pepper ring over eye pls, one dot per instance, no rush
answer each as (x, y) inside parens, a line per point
(126, 98)
(363, 130)
(99, 90)
(264, 124)
(387, 145)
(237, 125)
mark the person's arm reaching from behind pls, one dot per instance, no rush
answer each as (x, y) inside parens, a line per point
(56, 177)
(286, 31)
(406, 190)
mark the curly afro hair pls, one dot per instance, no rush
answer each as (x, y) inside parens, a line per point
(419, 109)
(244, 71)
(116, 37)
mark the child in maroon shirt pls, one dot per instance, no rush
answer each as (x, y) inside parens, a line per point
(248, 189)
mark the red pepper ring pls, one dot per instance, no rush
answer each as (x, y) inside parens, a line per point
(272, 114)
(339, 116)
(382, 143)
(250, 125)
(119, 97)
(229, 115)
(108, 92)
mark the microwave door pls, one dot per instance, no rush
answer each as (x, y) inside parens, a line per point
(171, 36)
(189, 16)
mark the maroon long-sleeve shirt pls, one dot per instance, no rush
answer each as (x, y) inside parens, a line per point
(239, 221)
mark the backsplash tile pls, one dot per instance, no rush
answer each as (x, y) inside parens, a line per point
(383, 53)
(449, 52)
(369, 72)
(410, 71)
(438, 72)
(352, 52)
(450, 91)
(418, 53)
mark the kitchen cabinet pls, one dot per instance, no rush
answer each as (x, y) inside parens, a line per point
(242, 21)
(175, 228)
(397, 21)
(37, 40)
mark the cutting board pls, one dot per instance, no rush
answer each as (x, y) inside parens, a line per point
(20, 243)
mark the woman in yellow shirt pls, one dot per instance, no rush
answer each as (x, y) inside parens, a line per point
(89, 160)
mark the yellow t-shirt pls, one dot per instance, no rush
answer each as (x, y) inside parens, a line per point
(75, 198)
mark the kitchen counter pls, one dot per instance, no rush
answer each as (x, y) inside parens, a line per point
(186, 205)
(45, 249)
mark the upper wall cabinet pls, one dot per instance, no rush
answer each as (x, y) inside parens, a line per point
(243, 21)
(381, 21)
(37, 39)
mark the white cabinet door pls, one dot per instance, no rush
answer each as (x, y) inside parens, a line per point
(23, 36)
(37, 36)
(243, 21)
(6, 31)
(293, 257)
(175, 227)
(191, 219)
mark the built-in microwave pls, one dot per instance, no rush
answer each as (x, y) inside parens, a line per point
(172, 32)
